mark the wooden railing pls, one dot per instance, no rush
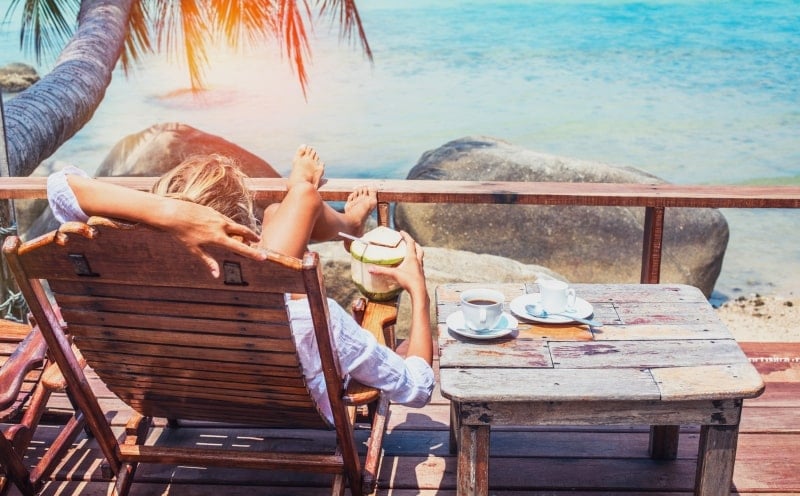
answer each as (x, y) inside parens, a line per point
(654, 198)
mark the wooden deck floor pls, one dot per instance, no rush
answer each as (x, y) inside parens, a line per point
(544, 461)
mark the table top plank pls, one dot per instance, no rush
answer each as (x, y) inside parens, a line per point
(661, 331)
(691, 383)
(666, 313)
(504, 353)
(530, 384)
(639, 293)
(645, 354)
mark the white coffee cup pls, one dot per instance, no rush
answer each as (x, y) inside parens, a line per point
(482, 308)
(556, 295)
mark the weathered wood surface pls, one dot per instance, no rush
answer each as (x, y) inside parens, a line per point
(583, 461)
(11, 335)
(545, 193)
(671, 346)
(643, 377)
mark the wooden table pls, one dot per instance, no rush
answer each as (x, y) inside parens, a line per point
(662, 358)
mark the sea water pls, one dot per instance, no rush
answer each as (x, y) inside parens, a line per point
(695, 92)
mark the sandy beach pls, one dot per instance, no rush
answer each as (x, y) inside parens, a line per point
(763, 317)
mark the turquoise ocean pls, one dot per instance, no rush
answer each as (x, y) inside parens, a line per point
(695, 92)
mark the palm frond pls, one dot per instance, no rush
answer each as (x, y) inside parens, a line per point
(195, 36)
(349, 21)
(137, 43)
(244, 21)
(181, 27)
(46, 25)
(294, 37)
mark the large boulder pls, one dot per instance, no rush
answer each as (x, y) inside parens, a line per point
(442, 266)
(161, 147)
(150, 152)
(584, 243)
(16, 77)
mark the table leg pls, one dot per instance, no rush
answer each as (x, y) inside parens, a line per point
(472, 471)
(664, 442)
(455, 425)
(715, 459)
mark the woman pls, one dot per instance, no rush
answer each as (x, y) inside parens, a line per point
(204, 201)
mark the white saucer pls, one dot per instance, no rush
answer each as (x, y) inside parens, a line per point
(506, 325)
(582, 309)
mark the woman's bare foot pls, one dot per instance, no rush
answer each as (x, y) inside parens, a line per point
(360, 204)
(306, 167)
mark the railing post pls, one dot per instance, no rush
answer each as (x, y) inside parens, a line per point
(652, 245)
(383, 214)
(663, 438)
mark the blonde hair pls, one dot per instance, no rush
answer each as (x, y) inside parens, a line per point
(212, 180)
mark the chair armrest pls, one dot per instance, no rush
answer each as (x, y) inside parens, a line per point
(28, 355)
(379, 318)
(53, 379)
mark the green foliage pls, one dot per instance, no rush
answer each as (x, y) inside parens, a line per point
(186, 28)
(46, 25)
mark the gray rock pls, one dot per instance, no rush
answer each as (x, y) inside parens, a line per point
(16, 77)
(442, 266)
(585, 244)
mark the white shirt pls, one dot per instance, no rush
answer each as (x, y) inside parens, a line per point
(409, 381)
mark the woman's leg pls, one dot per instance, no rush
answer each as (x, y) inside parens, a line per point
(302, 216)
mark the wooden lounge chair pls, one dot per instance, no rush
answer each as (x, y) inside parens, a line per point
(27, 381)
(173, 342)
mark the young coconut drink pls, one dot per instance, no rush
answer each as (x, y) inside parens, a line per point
(381, 246)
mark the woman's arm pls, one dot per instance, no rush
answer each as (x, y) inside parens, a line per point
(194, 225)
(411, 276)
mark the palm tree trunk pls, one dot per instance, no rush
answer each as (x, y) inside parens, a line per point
(40, 119)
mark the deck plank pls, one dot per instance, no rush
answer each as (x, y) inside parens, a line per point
(534, 461)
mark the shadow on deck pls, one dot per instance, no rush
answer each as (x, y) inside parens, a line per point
(531, 461)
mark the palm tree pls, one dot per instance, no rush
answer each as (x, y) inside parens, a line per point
(40, 119)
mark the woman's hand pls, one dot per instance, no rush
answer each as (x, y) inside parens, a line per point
(410, 274)
(194, 225)
(197, 226)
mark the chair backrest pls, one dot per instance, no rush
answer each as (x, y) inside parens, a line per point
(168, 338)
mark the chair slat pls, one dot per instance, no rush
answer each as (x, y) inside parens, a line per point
(142, 388)
(253, 371)
(130, 329)
(283, 376)
(93, 288)
(181, 355)
(201, 304)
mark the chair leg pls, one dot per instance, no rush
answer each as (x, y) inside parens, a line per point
(122, 485)
(374, 456)
(57, 449)
(339, 485)
(15, 467)
(135, 433)
(16, 440)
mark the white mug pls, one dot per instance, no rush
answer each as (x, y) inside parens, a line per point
(556, 295)
(482, 308)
